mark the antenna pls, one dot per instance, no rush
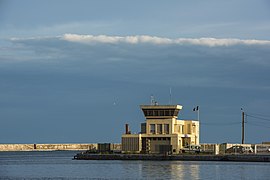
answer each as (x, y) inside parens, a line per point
(152, 100)
(170, 96)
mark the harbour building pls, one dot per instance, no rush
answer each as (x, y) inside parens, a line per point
(161, 132)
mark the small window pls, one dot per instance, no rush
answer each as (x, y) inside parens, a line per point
(183, 132)
(166, 128)
(159, 128)
(161, 112)
(152, 128)
(189, 129)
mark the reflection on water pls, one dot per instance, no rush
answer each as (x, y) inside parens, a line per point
(168, 169)
(59, 165)
(198, 170)
(184, 171)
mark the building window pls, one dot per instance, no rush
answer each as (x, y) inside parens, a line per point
(166, 128)
(161, 112)
(159, 128)
(189, 129)
(152, 128)
(194, 128)
(183, 132)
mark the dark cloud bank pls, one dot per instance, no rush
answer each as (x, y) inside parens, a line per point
(64, 90)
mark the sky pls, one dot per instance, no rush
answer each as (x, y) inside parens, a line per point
(77, 71)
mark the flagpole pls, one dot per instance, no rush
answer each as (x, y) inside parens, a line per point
(197, 109)
(198, 114)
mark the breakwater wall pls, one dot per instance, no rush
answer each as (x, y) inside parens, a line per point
(46, 147)
(237, 158)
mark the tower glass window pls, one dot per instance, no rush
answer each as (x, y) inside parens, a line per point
(159, 128)
(152, 128)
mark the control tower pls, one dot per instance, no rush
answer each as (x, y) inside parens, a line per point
(161, 111)
(162, 131)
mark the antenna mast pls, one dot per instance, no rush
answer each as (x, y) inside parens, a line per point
(152, 100)
(170, 96)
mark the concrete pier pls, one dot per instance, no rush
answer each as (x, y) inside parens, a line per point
(157, 157)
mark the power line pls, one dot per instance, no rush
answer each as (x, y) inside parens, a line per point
(256, 117)
(259, 125)
(219, 124)
(257, 114)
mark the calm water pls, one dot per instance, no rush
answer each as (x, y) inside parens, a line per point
(59, 165)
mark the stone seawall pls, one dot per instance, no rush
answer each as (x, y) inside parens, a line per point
(46, 147)
(147, 157)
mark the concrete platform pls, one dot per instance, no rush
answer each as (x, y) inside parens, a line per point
(236, 158)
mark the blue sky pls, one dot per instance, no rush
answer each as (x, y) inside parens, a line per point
(77, 71)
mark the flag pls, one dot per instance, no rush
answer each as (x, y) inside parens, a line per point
(196, 108)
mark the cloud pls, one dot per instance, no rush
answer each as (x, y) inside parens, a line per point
(116, 39)
(196, 62)
(211, 42)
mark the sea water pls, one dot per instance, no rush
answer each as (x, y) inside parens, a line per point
(60, 165)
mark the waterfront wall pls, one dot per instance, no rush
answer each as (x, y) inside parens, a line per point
(46, 147)
(16, 147)
(144, 157)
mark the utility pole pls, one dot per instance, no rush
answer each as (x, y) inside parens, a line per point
(243, 126)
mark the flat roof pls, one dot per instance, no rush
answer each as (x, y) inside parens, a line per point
(161, 107)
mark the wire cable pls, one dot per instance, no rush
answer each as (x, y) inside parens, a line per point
(256, 117)
(259, 125)
(262, 115)
(219, 124)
